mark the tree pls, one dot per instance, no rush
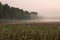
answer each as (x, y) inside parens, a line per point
(27, 15)
(7, 12)
(1, 11)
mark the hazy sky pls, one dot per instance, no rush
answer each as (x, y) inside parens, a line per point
(50, 8)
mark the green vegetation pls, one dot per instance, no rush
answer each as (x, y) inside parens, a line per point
(30, 31)
(8, 12)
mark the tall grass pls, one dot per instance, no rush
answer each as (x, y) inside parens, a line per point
(30, 32)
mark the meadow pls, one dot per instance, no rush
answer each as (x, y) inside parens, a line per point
(31, 31)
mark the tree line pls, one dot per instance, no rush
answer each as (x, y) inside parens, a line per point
(8, 12)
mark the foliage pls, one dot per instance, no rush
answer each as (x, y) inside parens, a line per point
(7, 12)
(30, 31)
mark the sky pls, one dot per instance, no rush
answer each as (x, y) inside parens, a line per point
(46, 8)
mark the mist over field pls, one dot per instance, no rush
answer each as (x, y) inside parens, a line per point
(29, 19)
(22, 11)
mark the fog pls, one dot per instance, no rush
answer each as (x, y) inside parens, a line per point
(16, 21)
(47, 8)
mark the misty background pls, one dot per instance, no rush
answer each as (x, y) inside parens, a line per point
(47, 8)
(17, 11)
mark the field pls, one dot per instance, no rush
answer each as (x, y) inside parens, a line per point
(31, 31)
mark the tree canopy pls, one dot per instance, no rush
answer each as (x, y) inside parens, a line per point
(7, 12)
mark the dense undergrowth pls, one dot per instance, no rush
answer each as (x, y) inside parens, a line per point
(29, 32)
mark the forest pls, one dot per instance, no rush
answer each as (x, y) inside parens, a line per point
(8, 12)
